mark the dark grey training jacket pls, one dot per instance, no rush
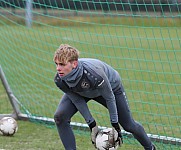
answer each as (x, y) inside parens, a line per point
(90, 79)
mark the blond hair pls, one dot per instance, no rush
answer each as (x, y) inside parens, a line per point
(66, 53)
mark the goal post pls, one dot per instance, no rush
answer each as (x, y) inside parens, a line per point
(140, 39)
(12, 98)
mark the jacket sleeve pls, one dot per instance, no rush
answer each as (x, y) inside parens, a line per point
(105, 90)
(77, 100)
(107, 93)
(81, 105)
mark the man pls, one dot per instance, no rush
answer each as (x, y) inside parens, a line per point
(82, 80)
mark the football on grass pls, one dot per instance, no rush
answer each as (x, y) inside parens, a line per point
(8, 126)
(106, 139)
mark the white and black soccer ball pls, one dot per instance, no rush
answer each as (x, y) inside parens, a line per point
(8, 126)
(106, 139)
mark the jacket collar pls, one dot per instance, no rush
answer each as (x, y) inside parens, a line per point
(74, 76)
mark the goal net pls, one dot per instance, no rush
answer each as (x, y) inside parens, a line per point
(139, 38)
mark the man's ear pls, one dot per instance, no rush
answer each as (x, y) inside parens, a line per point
(74, 64)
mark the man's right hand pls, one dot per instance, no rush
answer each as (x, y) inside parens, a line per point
(94, 131)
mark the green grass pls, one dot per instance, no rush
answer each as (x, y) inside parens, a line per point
(147, 58)
(36, 136)
(33, 136)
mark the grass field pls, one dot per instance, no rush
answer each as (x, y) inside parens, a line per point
(147, 58)
(34, 136)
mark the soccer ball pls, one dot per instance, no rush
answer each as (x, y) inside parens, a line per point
(106, 139)
(8, 126)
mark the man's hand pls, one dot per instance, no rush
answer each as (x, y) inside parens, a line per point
(120, 138)
(94, 131)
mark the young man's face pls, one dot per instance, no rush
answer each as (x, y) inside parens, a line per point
(64, 69)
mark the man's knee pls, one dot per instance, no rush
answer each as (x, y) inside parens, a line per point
(59, 118)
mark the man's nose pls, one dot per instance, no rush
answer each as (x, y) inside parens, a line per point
(59, 67)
